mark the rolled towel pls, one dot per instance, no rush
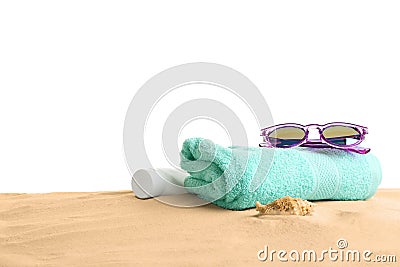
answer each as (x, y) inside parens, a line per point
(236, 177)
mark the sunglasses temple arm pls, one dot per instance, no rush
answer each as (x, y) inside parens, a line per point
(265, 144)
(359, 150)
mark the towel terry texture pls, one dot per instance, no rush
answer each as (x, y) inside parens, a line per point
(236, 177)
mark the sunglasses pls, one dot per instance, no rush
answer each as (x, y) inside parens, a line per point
(339, 135)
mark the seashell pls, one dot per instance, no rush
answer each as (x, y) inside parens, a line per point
(286, 205)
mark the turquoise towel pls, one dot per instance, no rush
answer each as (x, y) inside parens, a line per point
(236, 177)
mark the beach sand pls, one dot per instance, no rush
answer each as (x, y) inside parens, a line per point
(117, 229)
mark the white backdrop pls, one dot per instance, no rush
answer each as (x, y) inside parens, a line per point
(69, 69)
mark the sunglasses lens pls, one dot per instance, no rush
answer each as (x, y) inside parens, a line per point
(286, 136)
(341, 135)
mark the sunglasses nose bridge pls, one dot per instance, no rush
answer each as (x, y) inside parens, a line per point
(314, 132)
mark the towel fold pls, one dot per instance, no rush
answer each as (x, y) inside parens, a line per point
(236, 177)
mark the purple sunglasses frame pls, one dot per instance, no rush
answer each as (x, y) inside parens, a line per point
(321, 142)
